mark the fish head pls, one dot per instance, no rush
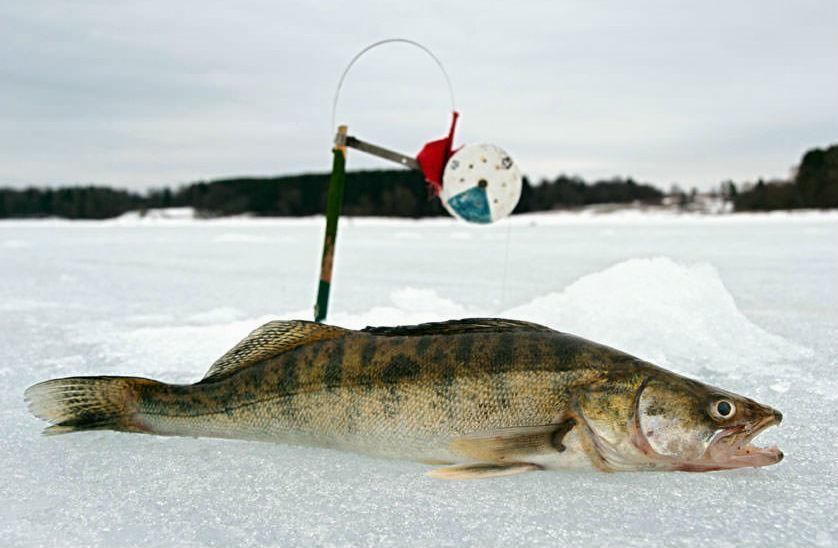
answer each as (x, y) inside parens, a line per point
(682, 424)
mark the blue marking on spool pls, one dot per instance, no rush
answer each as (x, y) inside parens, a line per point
(472, 205)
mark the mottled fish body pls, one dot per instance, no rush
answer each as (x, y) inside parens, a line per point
(485, 396)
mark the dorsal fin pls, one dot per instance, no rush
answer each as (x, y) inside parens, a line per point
(268, 341)
(451, 327)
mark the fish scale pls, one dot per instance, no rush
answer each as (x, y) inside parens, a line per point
(488, 396)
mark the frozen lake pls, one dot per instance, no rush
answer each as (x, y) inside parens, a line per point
(748, 303)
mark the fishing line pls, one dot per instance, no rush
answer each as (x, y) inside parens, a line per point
(381, 43)
(436, 60)
(505, 262)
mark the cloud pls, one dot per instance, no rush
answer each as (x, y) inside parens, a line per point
(155, 93)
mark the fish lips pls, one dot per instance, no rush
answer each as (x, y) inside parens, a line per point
(731, 447)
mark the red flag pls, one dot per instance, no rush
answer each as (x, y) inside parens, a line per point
(435, 154)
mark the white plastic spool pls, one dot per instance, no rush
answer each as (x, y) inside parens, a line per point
(480, 184)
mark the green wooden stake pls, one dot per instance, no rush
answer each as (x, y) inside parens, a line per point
(335, 200)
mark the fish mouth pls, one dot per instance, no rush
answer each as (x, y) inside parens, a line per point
(731, 447)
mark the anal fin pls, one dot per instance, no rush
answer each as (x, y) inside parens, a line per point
(482, 470)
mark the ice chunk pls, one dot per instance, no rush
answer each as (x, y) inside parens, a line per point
(679, 316)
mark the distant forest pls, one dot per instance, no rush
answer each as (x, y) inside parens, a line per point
(400, 193)
(391, 193)
(814, 185)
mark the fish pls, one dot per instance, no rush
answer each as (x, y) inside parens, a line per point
(476, 398)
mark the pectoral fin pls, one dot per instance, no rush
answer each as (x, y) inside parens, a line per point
(482, 470)
(514, 444)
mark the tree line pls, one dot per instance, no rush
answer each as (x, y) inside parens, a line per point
(401, 193)
(813, 185)
(392, 193)
(81, 202)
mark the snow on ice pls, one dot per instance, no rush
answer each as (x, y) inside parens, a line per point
(748, 303)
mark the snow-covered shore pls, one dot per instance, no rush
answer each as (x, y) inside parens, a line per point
(179, 216)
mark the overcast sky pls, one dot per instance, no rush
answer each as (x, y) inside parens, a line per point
(154, 93)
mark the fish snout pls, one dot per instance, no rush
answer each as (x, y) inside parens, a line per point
(762, 416)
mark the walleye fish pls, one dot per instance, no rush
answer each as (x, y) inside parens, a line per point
(485, 397)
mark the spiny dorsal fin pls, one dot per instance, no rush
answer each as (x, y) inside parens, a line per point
(468, 325)
(268, 341)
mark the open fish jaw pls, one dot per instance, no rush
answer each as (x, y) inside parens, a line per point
(731, 448)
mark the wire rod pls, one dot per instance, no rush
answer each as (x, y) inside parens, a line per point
(381, 43)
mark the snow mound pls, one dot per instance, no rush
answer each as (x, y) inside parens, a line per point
(176, 352)
(409, 306)
(678, 316)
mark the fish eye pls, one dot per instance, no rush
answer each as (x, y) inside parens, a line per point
(723, 409)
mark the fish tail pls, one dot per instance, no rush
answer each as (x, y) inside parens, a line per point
(73, 404)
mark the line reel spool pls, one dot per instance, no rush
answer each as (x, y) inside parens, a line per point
(476, 183)
(480, 184)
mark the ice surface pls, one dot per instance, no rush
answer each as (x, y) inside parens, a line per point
(748, 303)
